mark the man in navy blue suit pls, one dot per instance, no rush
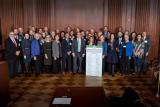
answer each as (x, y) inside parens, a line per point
(66, 53)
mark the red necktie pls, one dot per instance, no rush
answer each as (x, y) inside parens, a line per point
(14, 42)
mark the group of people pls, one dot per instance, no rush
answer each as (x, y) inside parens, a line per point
(58, 51)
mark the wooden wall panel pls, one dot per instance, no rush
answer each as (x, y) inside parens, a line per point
(29, 13)
(128, 14)
(152, 29)
(133, 15)
(114, 14)
(142, 15)
(43, 14)
(12, 15)
(52, 5)
(78, 13)
(105, 12)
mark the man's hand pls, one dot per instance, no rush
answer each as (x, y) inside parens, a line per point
(55, 58)
(83, 55)
(69, 52)
(73, 54)
(35, 58)
(17, 53)
(46, 56)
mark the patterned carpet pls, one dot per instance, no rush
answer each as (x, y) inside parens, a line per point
(37, 91)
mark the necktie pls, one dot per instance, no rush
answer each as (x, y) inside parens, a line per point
(14, 42)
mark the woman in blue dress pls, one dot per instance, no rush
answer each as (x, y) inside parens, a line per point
(112, 58)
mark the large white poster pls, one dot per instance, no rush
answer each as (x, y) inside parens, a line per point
(94, 61)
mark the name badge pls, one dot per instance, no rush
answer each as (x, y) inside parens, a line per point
(25, 57)
(145, 41)
(124, 46)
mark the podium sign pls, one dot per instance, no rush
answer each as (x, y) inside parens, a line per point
(94, 61)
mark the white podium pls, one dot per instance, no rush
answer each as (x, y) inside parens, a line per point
(94, 61)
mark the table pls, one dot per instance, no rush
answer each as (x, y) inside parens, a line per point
(81, 96)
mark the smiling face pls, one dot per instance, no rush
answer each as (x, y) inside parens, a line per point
(37, 36)
(139, 37)
(11, 34)
(57, 37)
(144, 34)
(48, 39)
(126, 37)
(102, 38)
(112, 36)
(120, 34)
(91, 39)
(27, 36)
(78, 35)
(133, 35)
(67, 35)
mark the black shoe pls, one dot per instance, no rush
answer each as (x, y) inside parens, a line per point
(37, 74)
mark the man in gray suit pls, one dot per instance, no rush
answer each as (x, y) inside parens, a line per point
(78, 53)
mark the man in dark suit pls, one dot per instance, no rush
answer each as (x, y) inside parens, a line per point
(20, 39)
(78, 53)
(147, 45)
(66, 53)
(12, 54)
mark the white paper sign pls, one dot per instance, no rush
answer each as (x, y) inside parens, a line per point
(94, 61)
(61, 101)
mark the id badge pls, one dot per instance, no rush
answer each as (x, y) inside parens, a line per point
(145, 41)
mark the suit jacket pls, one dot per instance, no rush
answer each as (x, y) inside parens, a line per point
(11, 49)
(75, 46)
(128, 49)
(35, 48)
(66, 46)
(56, 49)
(147, 44)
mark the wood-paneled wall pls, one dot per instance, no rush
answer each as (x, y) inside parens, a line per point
(133, 15)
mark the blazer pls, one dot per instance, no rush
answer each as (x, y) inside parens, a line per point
(147, 44)
(56, 49)
(10, 49)
(75, 46)
(35, 48)
(128, 49)
(66, 46)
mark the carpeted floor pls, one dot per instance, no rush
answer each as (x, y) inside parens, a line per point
(37, 91)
